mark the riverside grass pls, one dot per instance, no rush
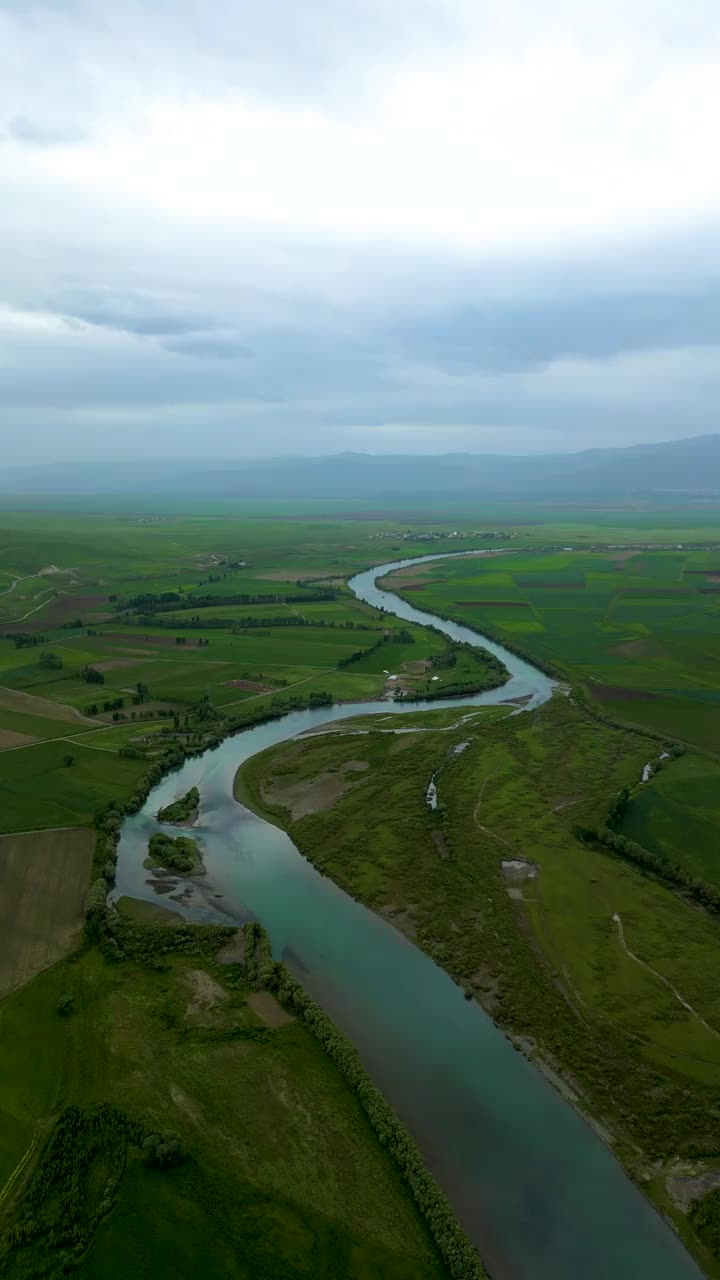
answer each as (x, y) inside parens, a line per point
(282, 1172)
(547, 962)
(458, 1254)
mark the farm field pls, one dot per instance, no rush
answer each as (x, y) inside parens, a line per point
(44, 878)
(500, 888)
(677, 814)
(280, 1163)
(38, 789)
(640, 630)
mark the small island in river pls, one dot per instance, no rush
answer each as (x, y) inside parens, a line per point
(182, 812)
(175, 853)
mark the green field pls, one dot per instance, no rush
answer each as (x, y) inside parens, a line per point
(44, 878)
(37, 788)
(282, 1175)
(677, 814)
(639, 628)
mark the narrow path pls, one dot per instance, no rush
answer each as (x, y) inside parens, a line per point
(654, 972)
(283, 689)
(8, 621)
(486, 830)
(33, 831)
(15, 582)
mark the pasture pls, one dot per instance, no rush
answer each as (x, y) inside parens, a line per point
(38, 789)
(640, 629)
(44, 877)
(282, 1171)
(677, 814)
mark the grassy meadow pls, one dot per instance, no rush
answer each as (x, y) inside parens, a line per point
(282, 1176)
(500, 888)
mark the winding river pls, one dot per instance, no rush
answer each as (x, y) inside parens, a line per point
(537, 1191)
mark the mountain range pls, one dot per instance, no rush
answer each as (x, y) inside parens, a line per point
(675, 469)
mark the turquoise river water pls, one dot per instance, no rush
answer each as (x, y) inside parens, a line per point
(535, 1188)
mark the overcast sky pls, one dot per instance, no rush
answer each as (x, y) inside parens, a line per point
(246, 229)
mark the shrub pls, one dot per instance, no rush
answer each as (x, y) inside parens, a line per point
(163, 1149)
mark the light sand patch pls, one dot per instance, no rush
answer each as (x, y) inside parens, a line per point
(684, 1187)
(234, 951)
(114, 664)
(8, 739)
(308, 796)
(417, 668)
(519, 869)
(264, 1004)
(29, 705)
(207, 996)
(184, 1103)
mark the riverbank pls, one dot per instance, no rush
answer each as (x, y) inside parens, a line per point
(506, 1148)
(276, 1160)
(440, 879)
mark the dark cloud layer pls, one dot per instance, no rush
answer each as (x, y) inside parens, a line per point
(182, 261)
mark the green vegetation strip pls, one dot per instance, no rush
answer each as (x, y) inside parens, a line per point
(457, 1252)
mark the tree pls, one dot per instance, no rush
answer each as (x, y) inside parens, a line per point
(205, 710)
(68, 760)
(162, 1149)
(64, 1005)
(91, 676)
(50, 661)
(142, 690)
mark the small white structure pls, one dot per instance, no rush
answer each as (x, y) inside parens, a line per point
(435, 677)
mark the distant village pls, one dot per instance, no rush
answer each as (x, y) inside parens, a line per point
(439, 535)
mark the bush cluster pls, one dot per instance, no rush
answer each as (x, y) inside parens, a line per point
(62, 1208)
(163, 1149)
(177, 853)
(180, 810)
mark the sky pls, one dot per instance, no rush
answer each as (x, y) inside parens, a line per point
(244, 230)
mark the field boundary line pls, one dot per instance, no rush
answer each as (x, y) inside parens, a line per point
(319, 671)
(654, 972)
(18, 1170)
(34, 831)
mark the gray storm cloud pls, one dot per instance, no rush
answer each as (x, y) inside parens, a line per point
(342, 227)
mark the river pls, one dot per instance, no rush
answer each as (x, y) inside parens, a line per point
(536, 1190)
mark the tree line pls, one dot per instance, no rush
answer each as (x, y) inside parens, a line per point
(458, 1254)
(708, 895)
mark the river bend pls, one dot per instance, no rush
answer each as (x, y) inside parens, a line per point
(536, 1190)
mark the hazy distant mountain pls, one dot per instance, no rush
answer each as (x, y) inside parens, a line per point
(680, 468)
